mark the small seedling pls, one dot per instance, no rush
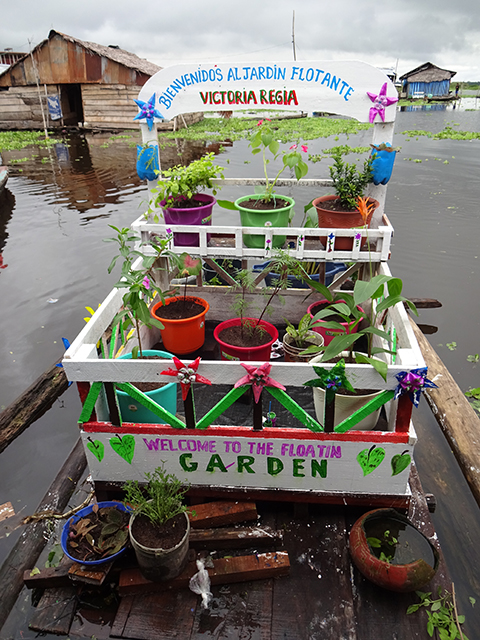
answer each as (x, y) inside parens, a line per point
(387, 546)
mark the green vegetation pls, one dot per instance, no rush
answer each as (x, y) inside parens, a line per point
(442, 614)
(218, 129)
(448, 133)
(339, 150)
(14, 140)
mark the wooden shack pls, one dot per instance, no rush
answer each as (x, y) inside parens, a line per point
(426, 80)
(75, 83)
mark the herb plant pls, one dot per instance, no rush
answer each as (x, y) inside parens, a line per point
(442, 614)
(349, 182)
(182, 182)
(161, 498)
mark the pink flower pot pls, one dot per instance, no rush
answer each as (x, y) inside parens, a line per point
(195, 216)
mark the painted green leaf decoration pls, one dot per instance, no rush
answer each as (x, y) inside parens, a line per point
(370, 459)
(400, 462)
(97, 448)
(125, 447)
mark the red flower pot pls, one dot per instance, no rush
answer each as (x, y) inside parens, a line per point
(232, 352)
(329, 334)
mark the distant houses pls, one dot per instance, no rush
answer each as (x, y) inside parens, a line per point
(70, 82)
(426, 80)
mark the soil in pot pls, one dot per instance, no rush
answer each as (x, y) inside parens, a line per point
(262, 205)
(179, 310)
(247, 338)
(187, 203)
(106, 528)
(159, 536)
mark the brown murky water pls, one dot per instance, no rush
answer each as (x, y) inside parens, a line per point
(55, 213)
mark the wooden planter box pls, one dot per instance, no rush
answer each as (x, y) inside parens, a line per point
(303, 462)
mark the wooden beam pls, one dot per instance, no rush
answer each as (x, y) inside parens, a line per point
(31, 542)
(218, 514)
(234, 537)
(225, 571)
(31, 404)
(455, 415)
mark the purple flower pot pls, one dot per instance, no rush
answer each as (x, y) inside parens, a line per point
(195, 216)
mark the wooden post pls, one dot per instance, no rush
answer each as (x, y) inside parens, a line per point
(189, 410)
(257, 413)
(112, 404)
(329, 414)
(31, 542)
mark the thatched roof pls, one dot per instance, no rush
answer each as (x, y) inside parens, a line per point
(428, 72)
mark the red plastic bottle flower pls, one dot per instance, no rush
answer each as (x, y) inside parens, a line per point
(186, 374)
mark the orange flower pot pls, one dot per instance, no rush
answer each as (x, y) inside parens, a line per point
(185, 335)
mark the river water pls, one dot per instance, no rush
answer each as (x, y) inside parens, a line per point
(55, 213)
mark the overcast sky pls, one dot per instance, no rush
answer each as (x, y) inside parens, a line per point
(387, 33)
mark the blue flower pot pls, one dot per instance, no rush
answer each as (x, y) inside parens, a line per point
(166, 396)
(78, 516)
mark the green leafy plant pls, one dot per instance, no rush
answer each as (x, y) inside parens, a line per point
(139, 282)
(161, 498)
(474, 394)
(386, 546)
(264, 140)
(100, 534)
(300, 333)
(442, 614)
(474, 358)
(345, 305)
(348, 181)
(183, 182)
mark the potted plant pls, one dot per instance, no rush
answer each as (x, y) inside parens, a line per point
(159, 526)
(135, 312)
(391, 552)
(96, 534)
(179, 196)
(182, 317)
(340, 211)
(266, 208)
(297, 339)
(373, 296)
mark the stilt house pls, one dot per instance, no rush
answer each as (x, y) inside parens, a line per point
(76, 83)
(426, 80)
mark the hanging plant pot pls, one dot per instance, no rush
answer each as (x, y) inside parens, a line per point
(292, 352)
(329, 334)
(158, 563)
(412, 558)
(165, 395)
(182, 335)
(195, 216)
(330, 217)
(345, 405)
(80, 551)
(233, 352)
(257, 217)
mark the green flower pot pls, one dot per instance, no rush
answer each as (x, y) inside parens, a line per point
(263, 218)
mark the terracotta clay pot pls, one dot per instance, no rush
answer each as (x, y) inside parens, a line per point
(395, 577)
(341, 220)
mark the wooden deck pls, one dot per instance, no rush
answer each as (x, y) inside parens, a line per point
(322, 595)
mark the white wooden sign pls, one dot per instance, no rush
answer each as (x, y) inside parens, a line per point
(275, 458)
(334, 87)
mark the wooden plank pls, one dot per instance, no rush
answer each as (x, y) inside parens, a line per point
(52, 577)
(95, 576)
(32, 540)
(316, 600)
(156, 616)
(224, 571)
(234, 537)
(455, 415)
(218, 514)
(55, 611)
